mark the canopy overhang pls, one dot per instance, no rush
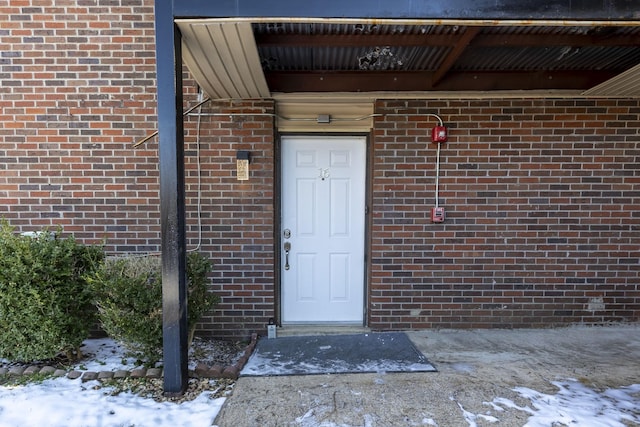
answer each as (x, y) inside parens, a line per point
(258, 49)
(260, 57)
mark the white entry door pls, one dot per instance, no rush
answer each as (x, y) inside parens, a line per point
(323, 225)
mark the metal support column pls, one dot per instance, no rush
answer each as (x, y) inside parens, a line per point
(172, 200)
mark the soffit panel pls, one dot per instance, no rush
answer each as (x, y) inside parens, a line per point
(624, 85)
(223, 59)
(345, 115)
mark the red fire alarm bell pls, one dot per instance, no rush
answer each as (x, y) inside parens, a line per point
(437, 214)
(439, 134)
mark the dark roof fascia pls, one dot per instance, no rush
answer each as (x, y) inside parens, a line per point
(412, 9)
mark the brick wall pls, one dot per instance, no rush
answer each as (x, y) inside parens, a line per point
(542, 196)
(543, 214)
(237, 216)
(77, 88)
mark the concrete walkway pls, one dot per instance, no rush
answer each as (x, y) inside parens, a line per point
(474, 368)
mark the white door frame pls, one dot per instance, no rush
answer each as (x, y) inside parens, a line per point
(280, 240)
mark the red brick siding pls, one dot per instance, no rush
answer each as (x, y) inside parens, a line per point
(77, 88)
(542, 196)
(237, 216)
(542, 200)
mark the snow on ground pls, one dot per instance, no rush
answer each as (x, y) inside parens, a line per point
(573, 405)
(62, 402)
(576, 404)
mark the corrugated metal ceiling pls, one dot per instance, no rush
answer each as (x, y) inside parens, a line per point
(240, 59)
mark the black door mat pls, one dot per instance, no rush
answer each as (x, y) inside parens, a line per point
(336, 354)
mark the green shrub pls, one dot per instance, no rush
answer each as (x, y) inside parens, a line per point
(129, 299)
(45, 303)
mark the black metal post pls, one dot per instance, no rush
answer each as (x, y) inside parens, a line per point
(172, 200)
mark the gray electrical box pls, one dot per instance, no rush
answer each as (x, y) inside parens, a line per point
(324, 118)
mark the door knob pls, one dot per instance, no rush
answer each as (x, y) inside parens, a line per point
(287, 248)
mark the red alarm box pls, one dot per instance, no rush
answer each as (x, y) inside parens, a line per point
(437, 214)
(439, 134)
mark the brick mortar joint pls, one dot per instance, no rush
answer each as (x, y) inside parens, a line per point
(201, 371)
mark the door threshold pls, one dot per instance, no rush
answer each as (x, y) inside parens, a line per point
(306, 330)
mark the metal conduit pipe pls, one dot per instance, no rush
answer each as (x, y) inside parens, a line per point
(292, 119)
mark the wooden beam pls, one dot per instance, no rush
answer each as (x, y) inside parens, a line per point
(531, 40)
(439, 40)
(368, 81)
(454, 54)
